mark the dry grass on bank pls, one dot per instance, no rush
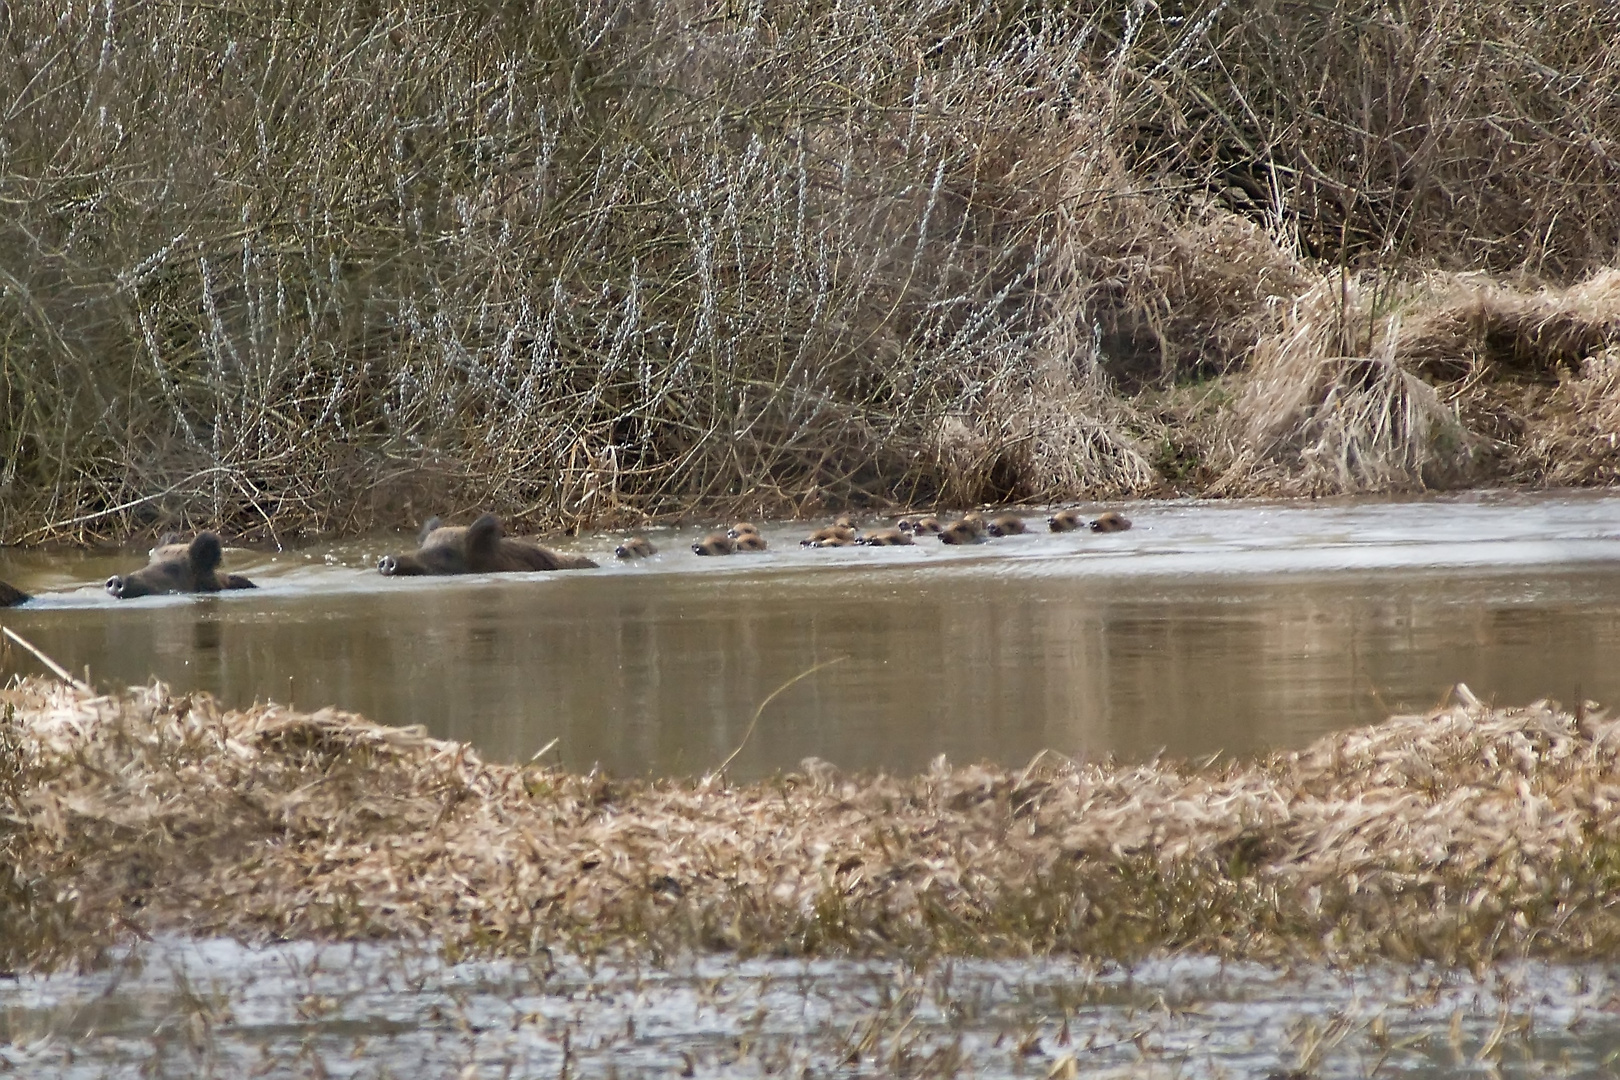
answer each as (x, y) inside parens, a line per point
(310, 268)
(1457, 379)
(1464, 835)
(314, 267)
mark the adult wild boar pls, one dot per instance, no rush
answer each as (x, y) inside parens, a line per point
(479, 548)
(179, 568)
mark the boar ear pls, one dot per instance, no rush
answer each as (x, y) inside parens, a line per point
(204, 553)
(427, 527)
(484, 535)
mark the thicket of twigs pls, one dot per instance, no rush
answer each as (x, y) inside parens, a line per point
(335, 265)
(1464, 836)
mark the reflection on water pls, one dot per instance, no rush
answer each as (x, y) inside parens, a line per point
(214, 1008)
(1207, 628)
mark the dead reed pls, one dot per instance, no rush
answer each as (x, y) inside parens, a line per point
(316, 267)
(1451, 380)
(1465, 835)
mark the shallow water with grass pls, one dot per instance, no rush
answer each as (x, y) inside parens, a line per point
(184, 1008)
(1209, 627)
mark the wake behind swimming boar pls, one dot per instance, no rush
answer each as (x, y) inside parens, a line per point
(179, 568)
(479, 548)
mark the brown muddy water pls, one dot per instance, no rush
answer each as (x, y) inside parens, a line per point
(1228, 627)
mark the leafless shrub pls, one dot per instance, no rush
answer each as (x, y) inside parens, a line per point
(344, 265)
(1472, 134)
(576, 263)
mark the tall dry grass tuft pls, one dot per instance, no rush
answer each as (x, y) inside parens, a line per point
(1475, 327)
(1534, 372)
(1455, 378)
(1330, 405)
(1571, 438)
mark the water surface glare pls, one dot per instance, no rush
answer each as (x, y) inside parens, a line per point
(215, 1008)
(1209, 627)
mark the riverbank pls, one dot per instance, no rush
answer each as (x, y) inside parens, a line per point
(321, 271)
(1466, 835)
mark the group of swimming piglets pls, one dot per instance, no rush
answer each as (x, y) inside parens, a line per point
(484, 548)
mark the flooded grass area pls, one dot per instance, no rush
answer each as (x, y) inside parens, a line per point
(214, 1008)
(1207, 628)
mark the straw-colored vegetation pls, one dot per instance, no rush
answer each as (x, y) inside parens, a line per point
(322, 266)
(1465, 835)
(1451, 380)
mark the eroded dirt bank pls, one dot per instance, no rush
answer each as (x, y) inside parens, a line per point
(1465, 835)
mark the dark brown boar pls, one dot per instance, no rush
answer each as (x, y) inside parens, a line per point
(179, 568)
(479, 548)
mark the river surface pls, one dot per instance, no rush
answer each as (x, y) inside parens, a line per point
(1208, 628)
